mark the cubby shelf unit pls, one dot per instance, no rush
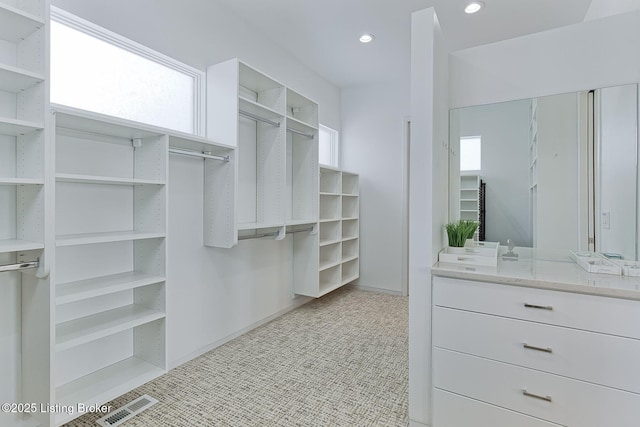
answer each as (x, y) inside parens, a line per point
(24, 200)
(337, 262)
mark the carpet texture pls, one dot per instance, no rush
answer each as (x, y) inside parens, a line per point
(341, 360)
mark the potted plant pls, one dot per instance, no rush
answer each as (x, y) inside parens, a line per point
(458, 232)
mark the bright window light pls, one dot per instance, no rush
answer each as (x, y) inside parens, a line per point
(329, 146)
(90, 73)
(470, 153)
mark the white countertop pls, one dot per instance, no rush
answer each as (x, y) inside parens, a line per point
(552, 270)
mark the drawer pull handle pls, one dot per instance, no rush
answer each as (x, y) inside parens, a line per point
(533, 347)
(536, 396)
(539, 307)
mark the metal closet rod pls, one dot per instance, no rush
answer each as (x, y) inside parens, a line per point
(204, 154)
(275, 233)
(258, 118)
(308, 135)
(19, 266)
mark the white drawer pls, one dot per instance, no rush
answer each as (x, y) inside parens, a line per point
(598, 358)
(571, 403)
(592, 313)
(452, 410)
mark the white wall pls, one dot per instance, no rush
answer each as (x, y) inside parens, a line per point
(617, 182)
(212, 294)
(202, 33)
(372, 145)
(558, 214)
(584, 56)
(504, 129)
(428, 199)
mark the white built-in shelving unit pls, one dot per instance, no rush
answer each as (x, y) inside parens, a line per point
(275, 130)
(109, 274)
(470, 198)
(24, 201)
(338, 230)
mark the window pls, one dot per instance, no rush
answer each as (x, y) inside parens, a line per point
(97, 70)
(470, 153)
(328, 146)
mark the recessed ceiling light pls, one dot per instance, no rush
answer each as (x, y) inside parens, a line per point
(367, 38)
(474, 7)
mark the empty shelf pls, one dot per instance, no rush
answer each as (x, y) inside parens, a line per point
(89, 288)
(15, 127)
(16, 25)
(16, 245)
(114, 236)
(21, 181)
(105, 384)
(90, 179)
(327, 265)
(90, 328)
(14, 80)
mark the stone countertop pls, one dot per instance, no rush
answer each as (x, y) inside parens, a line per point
(553, 270)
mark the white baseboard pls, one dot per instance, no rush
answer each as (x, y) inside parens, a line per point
(413, 423)
(374, 289)
(296, 303)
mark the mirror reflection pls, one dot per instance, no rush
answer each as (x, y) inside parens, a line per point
(555, 172)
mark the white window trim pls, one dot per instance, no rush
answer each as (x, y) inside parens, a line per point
(89, 28)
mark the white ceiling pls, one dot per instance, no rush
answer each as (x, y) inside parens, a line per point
(323, 34)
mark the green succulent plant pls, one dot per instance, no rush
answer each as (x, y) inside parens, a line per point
(458, 232)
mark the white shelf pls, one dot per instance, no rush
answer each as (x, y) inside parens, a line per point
(21, 181)
(90, 288)
(90, 328)
(327, 265)
(104, 385)
(329, 194)
(349, 218)
(16, 24)
(15, 127)
(346, 239)
(258, 225)
(90, 179)
(100, 124)
(329, 242)
(115, 236)
(300, 125)
(15, 80)
(328, 287)
(349, 258)
(16, 245)
(255, 108)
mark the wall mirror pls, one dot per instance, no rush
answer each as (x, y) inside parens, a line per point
(555, 172)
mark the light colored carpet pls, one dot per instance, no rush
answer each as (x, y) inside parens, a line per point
(341, 360)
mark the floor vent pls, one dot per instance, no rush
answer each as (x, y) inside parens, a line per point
(125, 413)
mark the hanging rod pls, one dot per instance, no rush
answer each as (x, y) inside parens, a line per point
(308, 135)
(19, 266)
(258, 118)
(258, 236)
(273, 234)
(300, 231)
(204, 154)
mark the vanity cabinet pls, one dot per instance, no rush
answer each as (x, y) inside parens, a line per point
(511, 355)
